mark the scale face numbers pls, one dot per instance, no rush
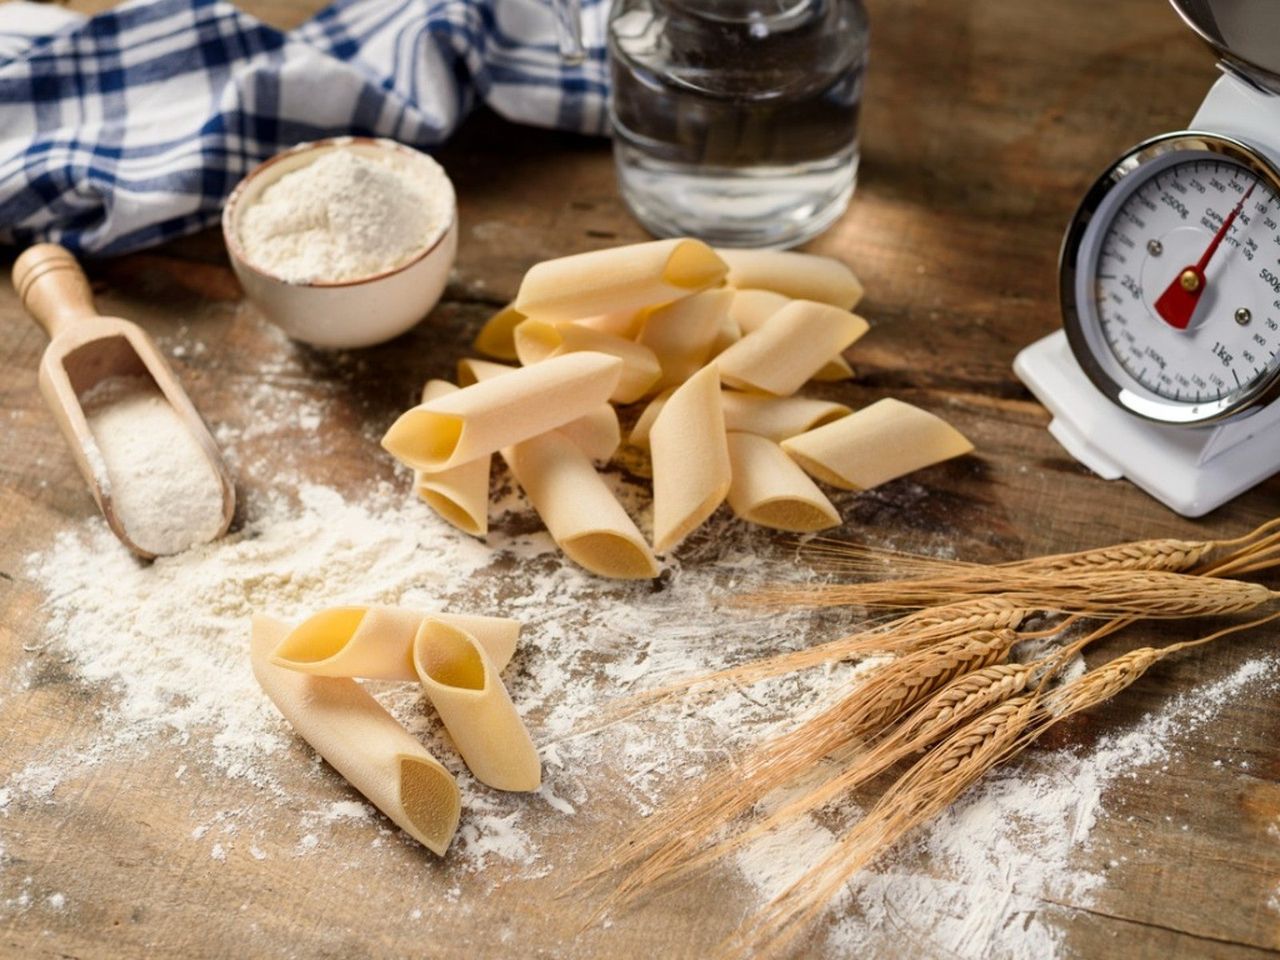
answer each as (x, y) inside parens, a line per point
(1171, 280)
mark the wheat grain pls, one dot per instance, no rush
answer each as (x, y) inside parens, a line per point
(927, 789)
(669, 847)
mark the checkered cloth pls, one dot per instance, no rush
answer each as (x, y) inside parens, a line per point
(129, 128)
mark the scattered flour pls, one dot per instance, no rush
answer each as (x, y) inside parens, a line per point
(1000, 858)
(168, 642)
(163, 488)
(346, 215)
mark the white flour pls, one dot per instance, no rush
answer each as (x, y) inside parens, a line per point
(346, 215)
(169, 643)
(163, 487)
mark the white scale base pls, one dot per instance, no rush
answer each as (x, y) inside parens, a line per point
(1190, 470)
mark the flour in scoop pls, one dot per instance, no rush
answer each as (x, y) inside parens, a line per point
(347, 215)
(162, 486)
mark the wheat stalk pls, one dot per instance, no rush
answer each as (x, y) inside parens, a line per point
(668, 848)
(929, 787)
(906, 634)
(1093, 593)
(937, 780)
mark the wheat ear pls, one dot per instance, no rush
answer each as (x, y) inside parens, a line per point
(937, 780)
(665, 849)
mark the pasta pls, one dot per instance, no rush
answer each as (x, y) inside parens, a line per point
(459, 495)
(803, 276)
(777, 418)
(640, 432)
(624, 324)
(497, 412)
(580, 512)
(769, 489)
(834, 370)
(597, 432)
(791, 346)
(376, 642)
(496, 337)
(474, 706)
(690, 459)
(682, 334)
(362, 742)
(618, 280)
(538, 340)
(878, 443)
(751, 308)
(472, 370)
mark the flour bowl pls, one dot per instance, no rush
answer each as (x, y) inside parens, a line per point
(357, 311)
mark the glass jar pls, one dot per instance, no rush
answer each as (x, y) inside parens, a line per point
(736, 121)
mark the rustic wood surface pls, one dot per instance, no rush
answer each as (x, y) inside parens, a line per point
(984, 122)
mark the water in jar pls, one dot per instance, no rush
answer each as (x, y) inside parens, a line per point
(737, 120)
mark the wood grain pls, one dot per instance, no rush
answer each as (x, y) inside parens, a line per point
(984, 122)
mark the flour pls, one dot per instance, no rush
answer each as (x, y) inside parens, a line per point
(163, 488)
(345, 216)
(164, 648)
(1000, 857)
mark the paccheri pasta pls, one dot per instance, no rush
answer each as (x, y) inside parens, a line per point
(715, 344)
(784, 352)
(459, 494)
(618, 279)
(801, 276)
(308, 673)
(690, 459)
(376, 642)
(463, 685)
(363, 742)
(769, 489)
(495, 413)
(875, 445)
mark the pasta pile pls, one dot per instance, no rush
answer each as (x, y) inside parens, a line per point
(308, 673)
(718, 342)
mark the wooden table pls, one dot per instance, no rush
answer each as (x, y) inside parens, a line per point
(984, 122)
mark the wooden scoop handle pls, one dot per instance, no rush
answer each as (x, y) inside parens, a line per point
(52, 287)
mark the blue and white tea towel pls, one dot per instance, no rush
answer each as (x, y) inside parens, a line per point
(129, 128)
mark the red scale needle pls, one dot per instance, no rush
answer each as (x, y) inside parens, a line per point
(1178, 302)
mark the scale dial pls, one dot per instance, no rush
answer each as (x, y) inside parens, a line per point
(1171, 280)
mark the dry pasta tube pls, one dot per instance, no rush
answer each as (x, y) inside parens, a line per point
(538, 340)
(459, 495)
(751, 308)
(690, 459)
(618, 280)
(475, 708)
(777, 418)
(580, 511)
(624, 324)
(640, 432)
(878, 443)
(472, 370)
(803, 276)
(495, 338)
(362, 742)
(728, 334)
(487, 416)
(769, 489)
(682, 334)
(376, 642)
(597, 432)
(793, 345)
(834, 371)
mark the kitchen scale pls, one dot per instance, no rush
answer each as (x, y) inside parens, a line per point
(1167, 369)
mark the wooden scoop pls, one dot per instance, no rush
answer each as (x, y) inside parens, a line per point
(85, 349)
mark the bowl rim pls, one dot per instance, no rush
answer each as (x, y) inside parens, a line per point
(234, 197)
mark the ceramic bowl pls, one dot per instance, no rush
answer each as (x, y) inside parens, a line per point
(347, 313)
